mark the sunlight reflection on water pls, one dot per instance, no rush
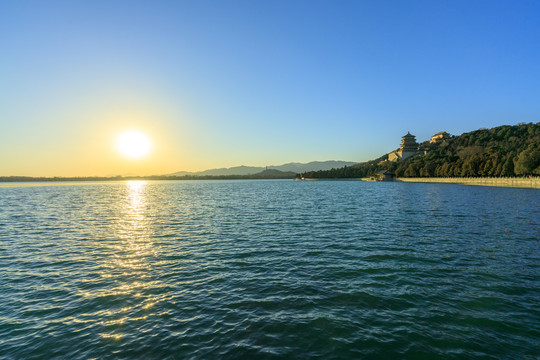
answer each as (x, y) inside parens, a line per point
(129, 262)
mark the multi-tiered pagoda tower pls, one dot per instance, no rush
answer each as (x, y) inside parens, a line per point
(408, 143)
(408, 148)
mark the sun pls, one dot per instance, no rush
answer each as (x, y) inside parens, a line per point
(133, 144)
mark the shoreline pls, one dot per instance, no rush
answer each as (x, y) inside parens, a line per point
(529, 183)
(518, 182)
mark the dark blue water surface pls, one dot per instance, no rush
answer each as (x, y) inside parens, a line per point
(269, 269)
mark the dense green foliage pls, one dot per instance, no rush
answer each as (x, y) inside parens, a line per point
(501, 151)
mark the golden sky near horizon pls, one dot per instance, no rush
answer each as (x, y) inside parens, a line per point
(90, 147)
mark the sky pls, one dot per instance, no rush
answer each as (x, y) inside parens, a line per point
(226, 83)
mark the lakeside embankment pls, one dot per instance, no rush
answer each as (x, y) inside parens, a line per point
(532, 182)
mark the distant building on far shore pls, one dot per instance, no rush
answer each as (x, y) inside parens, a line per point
(408, 148)
(439, 137)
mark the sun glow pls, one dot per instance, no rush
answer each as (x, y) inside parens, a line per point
(133, 144)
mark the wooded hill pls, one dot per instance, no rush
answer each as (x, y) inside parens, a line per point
(500, 151)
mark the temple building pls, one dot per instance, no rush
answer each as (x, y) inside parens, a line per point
(439, 137)
(408, 148)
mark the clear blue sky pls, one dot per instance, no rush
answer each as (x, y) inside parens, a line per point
(225, 83)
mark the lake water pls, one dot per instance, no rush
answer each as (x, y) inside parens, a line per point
(269, 269)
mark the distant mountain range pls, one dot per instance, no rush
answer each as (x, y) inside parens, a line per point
(250, 170)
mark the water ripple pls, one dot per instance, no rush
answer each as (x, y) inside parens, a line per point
(269, 269)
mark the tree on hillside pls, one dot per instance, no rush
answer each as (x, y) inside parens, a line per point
(528, 161)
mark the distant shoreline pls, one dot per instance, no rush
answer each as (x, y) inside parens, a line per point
(20, 179)
(519, 182)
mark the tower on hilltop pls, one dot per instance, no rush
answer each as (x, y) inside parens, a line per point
(408, 148)
(408, 143)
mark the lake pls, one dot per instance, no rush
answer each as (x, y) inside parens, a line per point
(269, 269)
